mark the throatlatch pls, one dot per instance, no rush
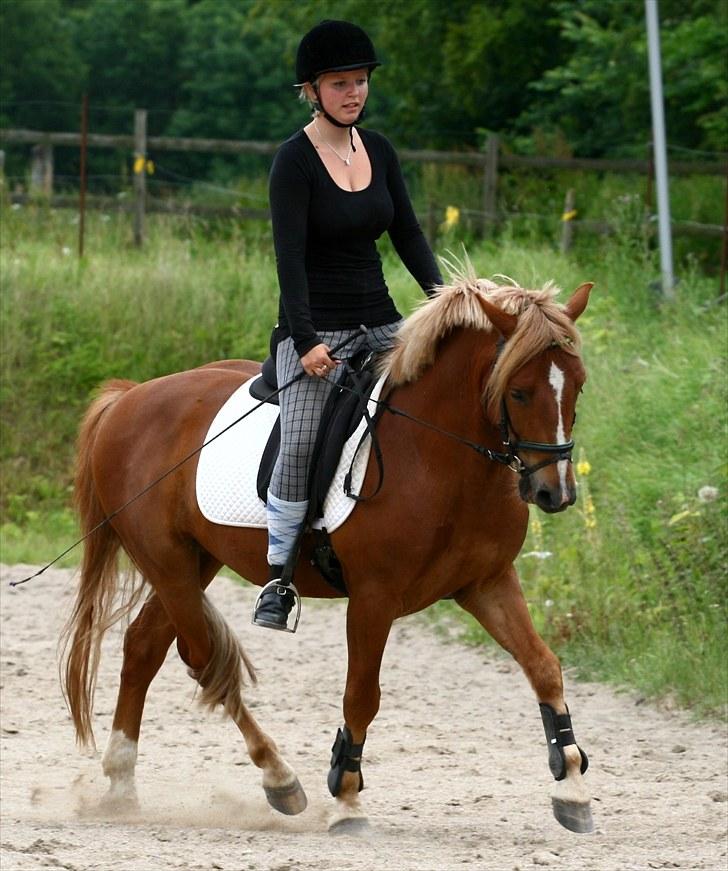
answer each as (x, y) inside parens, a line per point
(346, 756)
(559, 734)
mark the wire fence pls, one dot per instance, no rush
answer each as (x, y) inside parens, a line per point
(148, 184)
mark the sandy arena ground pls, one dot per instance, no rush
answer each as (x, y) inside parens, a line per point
(455, 763)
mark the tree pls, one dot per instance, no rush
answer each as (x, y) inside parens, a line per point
(235, 85)
(598, 99)
(132, 53)
(42, 74)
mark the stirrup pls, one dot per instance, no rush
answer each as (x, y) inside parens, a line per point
(281, 589)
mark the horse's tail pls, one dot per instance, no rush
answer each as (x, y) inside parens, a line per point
(94, 610)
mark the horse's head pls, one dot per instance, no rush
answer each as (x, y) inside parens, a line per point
(532, 393)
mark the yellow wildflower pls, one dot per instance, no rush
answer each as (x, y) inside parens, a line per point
(452, 217)
(141, 164)
(583, 467)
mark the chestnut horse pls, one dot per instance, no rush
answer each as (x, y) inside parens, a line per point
(498, 367)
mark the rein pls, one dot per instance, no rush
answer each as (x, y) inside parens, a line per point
(360, 332)
(509, 457)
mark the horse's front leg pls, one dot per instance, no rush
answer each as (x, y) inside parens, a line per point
(499, 606)
(368, 622)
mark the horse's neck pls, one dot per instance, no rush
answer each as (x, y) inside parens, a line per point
(448, 395)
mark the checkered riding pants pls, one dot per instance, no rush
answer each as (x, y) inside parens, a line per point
(302, 406)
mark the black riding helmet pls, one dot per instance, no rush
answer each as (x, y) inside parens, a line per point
(334, 46)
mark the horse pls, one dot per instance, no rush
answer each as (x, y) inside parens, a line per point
(482, 365)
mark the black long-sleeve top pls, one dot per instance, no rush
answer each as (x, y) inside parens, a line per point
(329, 269)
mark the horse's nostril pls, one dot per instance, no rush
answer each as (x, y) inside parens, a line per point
(550, 500)
(544, 499)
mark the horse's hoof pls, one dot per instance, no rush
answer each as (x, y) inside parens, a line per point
(574, 816)
(350, 826)
(290, 800)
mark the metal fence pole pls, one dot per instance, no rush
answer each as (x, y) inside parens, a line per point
(660, 149)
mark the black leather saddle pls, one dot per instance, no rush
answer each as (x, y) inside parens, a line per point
(266, 383)
(344, 409)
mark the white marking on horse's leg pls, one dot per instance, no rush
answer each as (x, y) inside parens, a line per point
(348, 804)
(556, 380)
(572, 788)
(118, 763)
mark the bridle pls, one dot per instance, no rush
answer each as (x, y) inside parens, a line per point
(514, 443)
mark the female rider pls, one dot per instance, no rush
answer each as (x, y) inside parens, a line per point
(334, 190)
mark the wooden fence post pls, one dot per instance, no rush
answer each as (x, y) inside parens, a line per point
(649, 192)
(431, 227)
(41, 169)
(567, 221)
(82, 174)
(490, 184)
(140, 174)
(724, 246)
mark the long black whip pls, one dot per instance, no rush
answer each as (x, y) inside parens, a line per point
(361, 331)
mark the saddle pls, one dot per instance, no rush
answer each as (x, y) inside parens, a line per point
(345, 407)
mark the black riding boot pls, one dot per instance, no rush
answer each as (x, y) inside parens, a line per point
(274, 603)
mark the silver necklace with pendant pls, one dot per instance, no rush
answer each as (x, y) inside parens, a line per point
(347, 159)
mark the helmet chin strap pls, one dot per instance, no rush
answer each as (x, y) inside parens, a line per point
(318, 106)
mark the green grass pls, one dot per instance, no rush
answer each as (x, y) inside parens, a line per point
(634, 588)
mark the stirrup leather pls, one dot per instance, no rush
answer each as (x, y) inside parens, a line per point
(281, 589)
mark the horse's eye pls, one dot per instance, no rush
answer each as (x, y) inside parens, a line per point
(518, 395)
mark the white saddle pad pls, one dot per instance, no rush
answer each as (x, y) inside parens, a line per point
(227, 470)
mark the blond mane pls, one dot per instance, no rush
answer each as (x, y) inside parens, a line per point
(542, 322)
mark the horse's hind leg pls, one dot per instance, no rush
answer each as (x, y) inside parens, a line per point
(221, 682)
(146, 643)
(215, 658)
(498, 604)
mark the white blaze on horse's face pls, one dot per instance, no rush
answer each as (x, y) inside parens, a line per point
(556, 380)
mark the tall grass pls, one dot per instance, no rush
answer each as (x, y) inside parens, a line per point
(629, 585)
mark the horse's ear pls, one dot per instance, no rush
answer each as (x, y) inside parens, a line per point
(576, 305)
(503, 322)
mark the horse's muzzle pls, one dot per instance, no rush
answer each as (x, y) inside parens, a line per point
(549, 498)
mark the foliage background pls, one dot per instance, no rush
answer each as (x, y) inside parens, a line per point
(571, 72)
(630, 585)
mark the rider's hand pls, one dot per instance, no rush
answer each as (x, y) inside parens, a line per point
(317, 361)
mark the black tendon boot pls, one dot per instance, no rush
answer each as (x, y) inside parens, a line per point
(275, 601)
